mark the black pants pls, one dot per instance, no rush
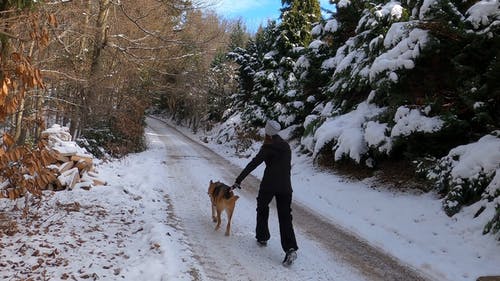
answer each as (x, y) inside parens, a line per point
(283, 204)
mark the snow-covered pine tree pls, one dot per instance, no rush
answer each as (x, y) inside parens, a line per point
(250, 98)
(357, 71)
(297, 19)
(221, 74)
(268, 79)
(467, 97)
(238, 36)
(313, 73)
(433, 59)
(274, 84)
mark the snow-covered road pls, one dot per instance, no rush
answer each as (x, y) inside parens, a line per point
(326, 251)
(189, 169)
(152, 222)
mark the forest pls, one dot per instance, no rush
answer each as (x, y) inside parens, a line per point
(95, 67)
(394, 87)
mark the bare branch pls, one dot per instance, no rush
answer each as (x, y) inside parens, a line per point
(57, 99)
(153, 34)
(55, 72)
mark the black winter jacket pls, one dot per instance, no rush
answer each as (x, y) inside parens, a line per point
(278, 158)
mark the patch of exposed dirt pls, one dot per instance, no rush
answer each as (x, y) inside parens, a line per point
(399, 175)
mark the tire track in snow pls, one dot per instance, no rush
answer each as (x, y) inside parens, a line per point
(185, 208)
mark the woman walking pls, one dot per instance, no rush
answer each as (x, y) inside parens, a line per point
(276, 183)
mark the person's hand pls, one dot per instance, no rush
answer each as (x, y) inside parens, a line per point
(236, 185)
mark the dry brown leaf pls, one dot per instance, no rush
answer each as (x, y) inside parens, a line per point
(10, 191)
(21, 69)
(38, 78)
(53, 20)
(16, 57)
(8, 140)
(5, 88)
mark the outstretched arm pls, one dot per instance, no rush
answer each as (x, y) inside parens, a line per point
(256, 161)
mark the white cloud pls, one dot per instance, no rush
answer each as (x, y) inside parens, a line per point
(253, 12)
(229, 7)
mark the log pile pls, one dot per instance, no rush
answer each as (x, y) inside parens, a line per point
(74, 167)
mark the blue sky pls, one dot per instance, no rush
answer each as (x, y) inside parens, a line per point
(253, 12)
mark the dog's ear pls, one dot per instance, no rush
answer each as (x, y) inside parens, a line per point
(211, 182)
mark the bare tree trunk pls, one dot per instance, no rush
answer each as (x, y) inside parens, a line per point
(39, 114)
(100, 40)
(86, 23)
(22, 107)
(18, 122)
(101, 34)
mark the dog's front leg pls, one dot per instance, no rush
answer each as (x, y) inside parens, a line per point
(219, 211)
(214, 219)
(229, 213)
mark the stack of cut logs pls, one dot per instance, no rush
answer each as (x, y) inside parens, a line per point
(74, 166)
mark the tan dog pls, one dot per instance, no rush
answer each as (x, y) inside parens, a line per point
(222, 198)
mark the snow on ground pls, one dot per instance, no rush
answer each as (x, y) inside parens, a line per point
(127, 230)
(123, 231)
(152, 222)
(411, 226)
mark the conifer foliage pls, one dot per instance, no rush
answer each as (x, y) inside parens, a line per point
(379, 81)
(297, 19)
(266, 73)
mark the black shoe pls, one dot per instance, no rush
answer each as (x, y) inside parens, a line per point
(262, 243)
(290, 257)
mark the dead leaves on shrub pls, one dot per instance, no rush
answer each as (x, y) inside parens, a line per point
(23, 169)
